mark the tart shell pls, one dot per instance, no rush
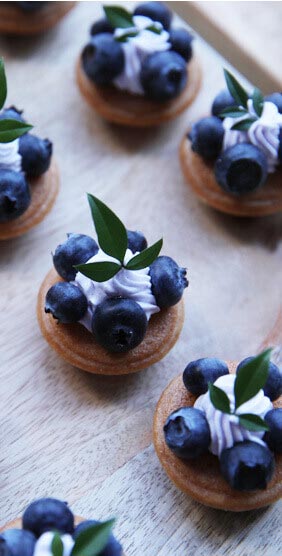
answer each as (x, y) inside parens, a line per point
(78, 347)
(14, 21)
(200, 478)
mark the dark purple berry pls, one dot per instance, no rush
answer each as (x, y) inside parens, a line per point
(241, 169)
(47, 514)
(168, 281)
(187, 432)
(199, 373)
(247, 465)
(14, 195)
(66, 302)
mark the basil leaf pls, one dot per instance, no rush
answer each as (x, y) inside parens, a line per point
(235, 89)
(219, 399)
(146, 257)
(57, 547)
(253, 422)
(244, 125)
(111, 232)
(92, 541)
(99, 272)
(251, 377)
(118, 17)
(3, 84)
(258, 100)
(12, 129)
(233, 112)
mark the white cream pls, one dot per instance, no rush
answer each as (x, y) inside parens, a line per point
(10, 159)
(44, 543)
(135, 51)
(131, 284)
(225, 429)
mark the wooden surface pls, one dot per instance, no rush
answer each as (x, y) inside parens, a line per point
(88, 439)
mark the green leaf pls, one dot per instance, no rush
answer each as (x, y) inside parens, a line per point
(118, 17)
(251, 377)
(219, 399)
(146, 257)
(57, 547)
(111, 232)
(125, 36)
(3, 84)
(99, 272)
(253, 422)
(258, 100)
(235, 89)
(12, 129)
(233, 112)
(155, 28)
(92, 541)
(244, 125)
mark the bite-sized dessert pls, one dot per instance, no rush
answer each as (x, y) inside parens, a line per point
(49, 528)
(31, 18)
(232, 159)
(28, 178)
(218, 432)
(118, 303)
(137, 69)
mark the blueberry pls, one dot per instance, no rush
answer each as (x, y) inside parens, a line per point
(163, 75)
(273, 437)
(276, 98)
(187, 432)
(12, 113)
(223, 100)
(17, 542)
(206, 137)
(168, 281)
(119, 324)
(157, 11)
(103, 59)
(36, 154)
(112, 548)
(14, 195)
(77, 249)
(136, 241)
(101, 26)
(181, 42)
(247, 465)
(66, 302)
(199, 373)
(47, 514)
(273, 385)
(241, 169)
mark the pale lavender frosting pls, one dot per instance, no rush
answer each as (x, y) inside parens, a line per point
(10, 159)
(225, 429)
(44, 543)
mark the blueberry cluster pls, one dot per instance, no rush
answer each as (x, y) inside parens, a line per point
(247, 465)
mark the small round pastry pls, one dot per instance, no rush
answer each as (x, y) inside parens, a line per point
(49, 527)
(31, 18)
(136, 70)
(118, 304)
(232, 159)
(213, 445)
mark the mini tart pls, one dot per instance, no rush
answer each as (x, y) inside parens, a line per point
(121, 107)
(44, 191)
(200, 176)
(201, 477)
(15, 21)
(78, 347)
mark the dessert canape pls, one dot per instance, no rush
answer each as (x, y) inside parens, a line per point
(30, 18)
(118, 304)
(49, 528)
(29, 179)
(137, 70)
(218, 432)
(232, 159)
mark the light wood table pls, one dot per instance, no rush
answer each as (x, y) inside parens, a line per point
(87, 439)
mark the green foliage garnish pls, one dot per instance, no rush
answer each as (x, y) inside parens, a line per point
(241, 97)
(118, 17)
(257, 98)
(236, 90)
(57, 547)
(146, 257)
(92, 541)
(233, 112)
(99, 272)
(12, 129)
(155, 27)
(253, 422)
(126, 35)
(3, 84)
(219, 399)
(244, 125)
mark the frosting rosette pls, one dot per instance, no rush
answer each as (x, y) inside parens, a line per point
(10, 159)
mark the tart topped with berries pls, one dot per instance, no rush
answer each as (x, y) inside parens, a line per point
(118, 304)
(136, 69)
(232, 159)
(31, 18)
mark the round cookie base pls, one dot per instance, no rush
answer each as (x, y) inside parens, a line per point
(200, 176)
(13, 21)
(44, 191)
(200, 478)
(78, 347)
(123, 108)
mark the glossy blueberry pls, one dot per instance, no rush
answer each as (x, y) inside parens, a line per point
(276, 98)
(247, 465)
(273, 385)
(66, 302)
(36, 154)
(119, 324)
(112, 548)
(206, 137)
(17, 542)
(157, 11)
(199, 373)
(77, 249)
(187, 432)
(47, 514)
(241, 169)
(101, 26)
(12, 113)
(163, 75)
(103, 59)
(181, 42)
(273, 437)
(168, 281)
(14, 195)
(222, 100)
(136, 241)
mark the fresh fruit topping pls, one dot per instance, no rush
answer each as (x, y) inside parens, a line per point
(241, 169)
(187, 432)
(206, 137)
(222, 101)
(273, 437)
(136, 241)
(276, 98)
(181, 42)
(36, 154)
(101, 26)
(157, 11)
(17, 542)
(47, 514)
(168, 281)
(12, 113)
(103, 59)
(163, 75)
(247, 466)
(273, 385)
(14, 195)
(198, 374)
(77, 249)
(66, 302)
(112, 548)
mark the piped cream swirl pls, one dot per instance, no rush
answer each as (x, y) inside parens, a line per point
(10, 159)
(43, 546)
